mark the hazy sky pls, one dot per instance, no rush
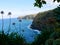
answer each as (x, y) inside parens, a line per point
(23, 7)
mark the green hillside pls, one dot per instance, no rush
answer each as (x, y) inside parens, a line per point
(49, 24)
(46, 20)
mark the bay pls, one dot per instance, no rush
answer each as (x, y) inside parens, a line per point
(22, 27)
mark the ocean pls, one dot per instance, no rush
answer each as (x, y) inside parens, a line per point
(22, 27)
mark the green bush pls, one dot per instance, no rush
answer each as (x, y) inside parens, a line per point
(55, 35)
(49, 42)
(42, 37)
(11, 39)
(56, 42)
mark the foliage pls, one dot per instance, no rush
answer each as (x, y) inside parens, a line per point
(57, 17)
(49, 25)
(49, 42)
(55, 35)
(52, 42)
(42, 37)
(56, 42)
(11, 39)
(39, 3)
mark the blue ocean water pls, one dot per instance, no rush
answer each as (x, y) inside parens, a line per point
(20, 27)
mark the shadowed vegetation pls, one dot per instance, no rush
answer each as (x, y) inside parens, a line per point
(49, 25)
(11, 39)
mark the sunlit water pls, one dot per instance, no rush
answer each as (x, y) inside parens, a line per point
(21, 27)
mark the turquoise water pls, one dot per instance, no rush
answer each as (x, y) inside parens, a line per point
(21, 27)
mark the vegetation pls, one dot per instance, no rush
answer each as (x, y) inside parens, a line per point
(39, 3)
(2, 12)
(47, 22)
(9, 22)
(49, 25)
(11, 39)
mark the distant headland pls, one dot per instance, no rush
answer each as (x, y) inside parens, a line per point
(28, 17)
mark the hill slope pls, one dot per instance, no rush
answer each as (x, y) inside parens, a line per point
(46, 20)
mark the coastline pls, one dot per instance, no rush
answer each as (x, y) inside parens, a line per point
(36, 31)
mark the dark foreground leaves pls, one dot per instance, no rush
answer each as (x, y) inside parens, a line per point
(11, 39)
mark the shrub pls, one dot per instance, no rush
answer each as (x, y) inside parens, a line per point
(11, 39)
(55, 35)
(56, 42)
(49, 42)
(40, 40)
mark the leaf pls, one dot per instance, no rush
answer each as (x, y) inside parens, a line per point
(44, 2)
(35, 4)
(58, 0)
(40, 4)
(54, 0)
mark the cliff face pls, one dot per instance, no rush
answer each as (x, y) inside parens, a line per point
(45, 20)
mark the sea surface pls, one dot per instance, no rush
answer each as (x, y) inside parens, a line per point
(22, 27)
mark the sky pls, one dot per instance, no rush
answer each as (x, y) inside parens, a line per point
(23, 7)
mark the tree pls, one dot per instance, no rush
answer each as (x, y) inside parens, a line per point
(39, 3)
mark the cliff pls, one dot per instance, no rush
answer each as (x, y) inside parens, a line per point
(46, 20)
